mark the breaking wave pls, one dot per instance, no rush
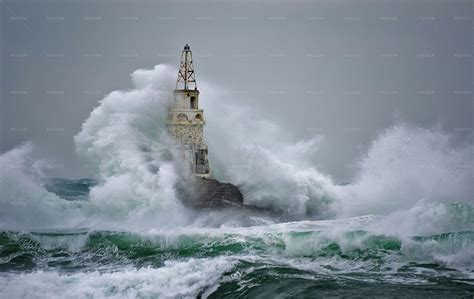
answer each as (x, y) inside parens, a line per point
(24, 202)
(190, 262)
(272, 171)
(408, 166)
(125, 140)
(404, 166)
(125, 233)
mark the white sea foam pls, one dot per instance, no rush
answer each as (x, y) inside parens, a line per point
(24, 202)
(186, 279)
(410, 176)
(125, 136)
(406, 166)
(405, 170)
(271, 169)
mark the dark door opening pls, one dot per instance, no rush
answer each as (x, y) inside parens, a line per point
(193, 103)
(202, 166)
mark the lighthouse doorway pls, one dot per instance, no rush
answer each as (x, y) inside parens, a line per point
(202, 166)
(194, 103)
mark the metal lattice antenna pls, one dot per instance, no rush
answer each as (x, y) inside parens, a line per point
(186, 76)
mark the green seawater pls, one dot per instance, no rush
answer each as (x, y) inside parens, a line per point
(265, 264)
(303, 259)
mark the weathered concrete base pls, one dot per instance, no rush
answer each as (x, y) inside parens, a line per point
(202, 193)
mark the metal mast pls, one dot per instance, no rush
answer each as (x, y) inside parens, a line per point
(186, 76)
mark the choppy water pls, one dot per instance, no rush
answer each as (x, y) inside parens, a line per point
(297, 259)
(126, 235)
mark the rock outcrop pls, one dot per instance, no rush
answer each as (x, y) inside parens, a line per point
(202, 193)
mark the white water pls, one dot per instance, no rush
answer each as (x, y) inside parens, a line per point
(125, 138)
(174, 280)
(24, 202)
(188, 278)
(407, 166)
(403, 175)
(250, 151)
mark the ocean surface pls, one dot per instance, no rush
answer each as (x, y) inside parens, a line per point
(298, 259)
(403, 226)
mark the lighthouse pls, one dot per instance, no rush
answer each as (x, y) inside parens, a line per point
(186, 121)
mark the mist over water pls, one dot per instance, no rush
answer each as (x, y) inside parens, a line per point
(405, 166)
(252, 152)
(410, 202)
(125, 138)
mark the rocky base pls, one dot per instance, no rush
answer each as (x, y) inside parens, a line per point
(203, 193)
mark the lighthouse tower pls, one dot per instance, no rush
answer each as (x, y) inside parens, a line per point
(186, 120)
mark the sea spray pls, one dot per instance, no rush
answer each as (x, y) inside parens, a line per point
(121, 137)
(404, 166)
(272, 171)
(407, 166)
(125, 136)
(24, 203)
(411, 234)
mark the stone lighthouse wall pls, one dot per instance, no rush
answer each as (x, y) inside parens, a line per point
(187, 134)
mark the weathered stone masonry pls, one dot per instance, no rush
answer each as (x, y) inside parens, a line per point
(186, 124)
(185, 119)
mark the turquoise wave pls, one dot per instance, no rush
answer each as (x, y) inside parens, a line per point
(76, 249)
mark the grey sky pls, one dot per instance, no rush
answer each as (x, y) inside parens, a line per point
(344, 69)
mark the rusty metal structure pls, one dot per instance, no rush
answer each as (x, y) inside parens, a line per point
(186, 76)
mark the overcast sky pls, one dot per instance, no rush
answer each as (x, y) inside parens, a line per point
(343, 69)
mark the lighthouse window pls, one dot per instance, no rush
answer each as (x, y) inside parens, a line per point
(193, 103)
(182, 116)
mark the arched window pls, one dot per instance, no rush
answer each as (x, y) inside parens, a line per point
(182, 116)
(198, 117)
